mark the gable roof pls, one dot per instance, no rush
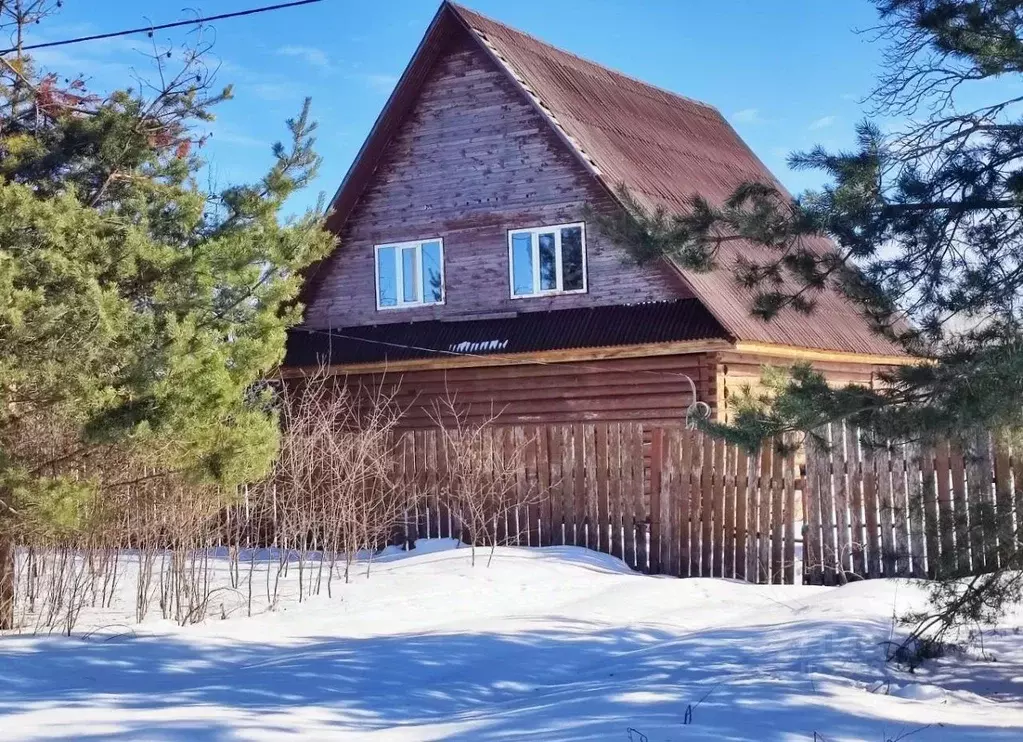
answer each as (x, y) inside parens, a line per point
(663, 147)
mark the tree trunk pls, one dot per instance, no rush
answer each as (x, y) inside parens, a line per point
(6, 581)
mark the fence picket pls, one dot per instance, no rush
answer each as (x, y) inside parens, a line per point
(579, 498)
(829, 528)
(777, 515)
(674, 440)
(718, 517)
(960, 515)
(885, 506)
(706, 512)
(945, 562)
(634, 502)
(603, 513)
(656, 474)
(1016, 464)
(616, 487)
(742, 494)
(857, 520)
(915, 510)
(590, 490)
(764, 515)
(673, 501)
(1003, 501)
(929, 498)
(789, 519)
(840, 458)
(689, 482)
(900, 510)
(812, 567)
(728, 511)
(979, 480)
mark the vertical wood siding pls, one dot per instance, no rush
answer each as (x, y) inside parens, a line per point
(473, 160)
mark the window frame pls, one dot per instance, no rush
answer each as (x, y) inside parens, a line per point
(399, 275)
(558, 265)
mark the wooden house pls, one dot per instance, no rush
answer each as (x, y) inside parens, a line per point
(465, 265)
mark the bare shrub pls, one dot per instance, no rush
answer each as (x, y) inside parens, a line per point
(483, 482)
(334, 492)
(337, 492)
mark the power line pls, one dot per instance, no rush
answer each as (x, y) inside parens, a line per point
(162, 26)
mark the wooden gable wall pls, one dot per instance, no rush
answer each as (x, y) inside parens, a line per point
(472, 160)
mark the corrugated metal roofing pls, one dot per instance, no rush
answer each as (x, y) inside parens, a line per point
(662, 146)
(528, 332)
(666, 148)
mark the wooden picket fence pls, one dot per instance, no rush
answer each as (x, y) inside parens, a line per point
(676, 502)
(913, 510)
(665, 500)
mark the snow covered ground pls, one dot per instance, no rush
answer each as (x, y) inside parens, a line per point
(545, 644)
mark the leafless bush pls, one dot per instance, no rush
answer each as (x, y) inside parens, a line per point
(336, 490)
(483, 482)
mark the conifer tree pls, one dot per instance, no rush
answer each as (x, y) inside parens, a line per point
(926, 238)
(138, 311)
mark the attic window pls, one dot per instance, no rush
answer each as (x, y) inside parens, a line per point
(410, 274)
(547, 260)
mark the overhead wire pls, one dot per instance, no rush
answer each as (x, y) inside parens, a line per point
(160, 27)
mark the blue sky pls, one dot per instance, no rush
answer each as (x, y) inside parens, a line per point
(786, 74)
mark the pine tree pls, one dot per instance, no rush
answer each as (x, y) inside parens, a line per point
(926, 225)
(138, 312)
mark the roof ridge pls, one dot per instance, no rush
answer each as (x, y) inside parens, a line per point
(463, 11)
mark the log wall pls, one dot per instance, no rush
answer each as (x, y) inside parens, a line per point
(652, 389)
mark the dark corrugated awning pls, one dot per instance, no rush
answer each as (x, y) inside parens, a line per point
(528, 332)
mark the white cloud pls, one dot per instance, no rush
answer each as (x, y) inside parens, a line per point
(823, 122)
(309, 54)
(747, 116)
(237, 138)
(271, 91)
(381, 82)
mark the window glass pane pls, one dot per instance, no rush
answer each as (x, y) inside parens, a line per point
(433, 287)
(387, 282)
(548, 266)
(409, 293)
(572, 258)
(522, 264)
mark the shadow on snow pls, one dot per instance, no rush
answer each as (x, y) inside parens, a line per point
(574, 682)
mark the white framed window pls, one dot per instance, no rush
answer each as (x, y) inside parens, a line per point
(410, 274)
(547, 260)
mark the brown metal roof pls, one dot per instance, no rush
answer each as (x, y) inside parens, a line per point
(528, 332)
(666, 148)
(662, 146)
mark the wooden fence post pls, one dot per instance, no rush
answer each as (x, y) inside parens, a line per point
(689, 456)
(789, 550)
(656, 469)
(742, 503)
(603, 513)
(915, 508)
(812, 565)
